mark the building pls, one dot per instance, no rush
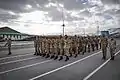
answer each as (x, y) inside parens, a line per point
(105, 33)
(6, 32)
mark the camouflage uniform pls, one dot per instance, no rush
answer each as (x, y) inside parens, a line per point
(104, 44)
(57, 50)
(66, 47)
(47, 48)
(61, 46)
(9, 46)
(112, 47)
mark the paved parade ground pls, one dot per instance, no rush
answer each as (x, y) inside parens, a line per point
(23, 65)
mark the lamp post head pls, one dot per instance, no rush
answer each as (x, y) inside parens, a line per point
(63, 25)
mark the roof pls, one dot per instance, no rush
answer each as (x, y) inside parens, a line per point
(7, 30)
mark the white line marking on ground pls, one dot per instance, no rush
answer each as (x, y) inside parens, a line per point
(64, 66)
(15, 56)
(92, 73)
(24, 67)
(18, 60)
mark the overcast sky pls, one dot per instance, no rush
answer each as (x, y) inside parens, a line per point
(45, 16)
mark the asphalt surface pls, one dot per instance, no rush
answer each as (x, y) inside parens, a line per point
(23, 65)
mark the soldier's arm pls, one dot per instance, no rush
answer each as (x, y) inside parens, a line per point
(6, 44)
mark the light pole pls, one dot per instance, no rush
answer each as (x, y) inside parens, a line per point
(63, 25)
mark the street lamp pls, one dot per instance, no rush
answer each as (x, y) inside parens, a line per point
(63, 25)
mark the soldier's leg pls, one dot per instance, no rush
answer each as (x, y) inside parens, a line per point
(83, 51)
(53, 53)
(85, 48)
(76, 52)
(9, 51)
(66, 54)
(96, 46)
(47, 53)
(100, 45)
(56, 54)
(92, 47)
(35, 51)
(70, 52)
(38, 50)
(112, 54)
(104, 53)
(61, 54)
(88, 48)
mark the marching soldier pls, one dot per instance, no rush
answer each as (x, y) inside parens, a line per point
(43, 47)
(70, 45)
(52, 48)
(61, 46)
(112, 47)
(66, 47)
(92, 44)
(84, 46)
(96, 42)
(40, 45)
(35, 45)
(79, 45)
(57, 51)
(104, 44)
(47, 48)
(88, 43)
(74, 46)
(8, 44)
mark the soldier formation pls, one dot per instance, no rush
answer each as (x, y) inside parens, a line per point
(59, 46)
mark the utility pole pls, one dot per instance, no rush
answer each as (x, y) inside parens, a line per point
(63, 25)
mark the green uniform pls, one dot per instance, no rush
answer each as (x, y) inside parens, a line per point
(104, 44)
(9, 46)
(112, 48)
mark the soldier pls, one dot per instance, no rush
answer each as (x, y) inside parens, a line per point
(57, 51)
(70, 45)
(61, 46)
(84, 46)
(96, 42)
(104, 44)
(8, 44)
(43, 47)
(75, 46)
(40, 45)
(35, 45)
(66, 47)
(99, 42)
(92, 44)
(52, 48)
(112, 47)
(47, 48)
(88, 43)
(79, 45)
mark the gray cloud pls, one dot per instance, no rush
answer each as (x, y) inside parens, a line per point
(110, 1)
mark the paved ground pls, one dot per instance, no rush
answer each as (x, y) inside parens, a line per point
(23, 65)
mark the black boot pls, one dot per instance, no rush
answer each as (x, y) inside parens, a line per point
(47, 56)
(35, 53)
(112, 58)
(52, 56)
(70, 55)
(67, 58)
(9, 53)
(76, 55)
(61, 57)
(104, 57)
(55, 57)
(44, 55)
